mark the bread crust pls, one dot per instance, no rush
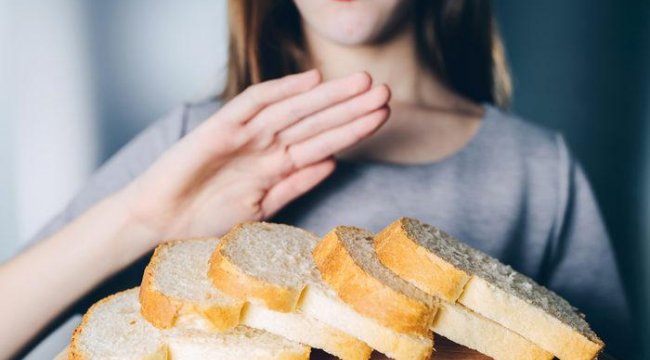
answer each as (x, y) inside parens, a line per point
(367, 295)
(347, 347)
(295, 356)
(415, 264)
(76, 353)
(230, 279)
(162, 311)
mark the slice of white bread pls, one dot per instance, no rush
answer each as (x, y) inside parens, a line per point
(345, 260)
(113, 328)
(175, 288)
(176, 291)
(348, 261)
(441, 265)
(271, 266)
(264, 263)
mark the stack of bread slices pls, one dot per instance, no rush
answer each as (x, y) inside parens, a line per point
(272, 291)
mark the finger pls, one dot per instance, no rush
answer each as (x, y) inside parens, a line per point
(295, 185)
(330, 142)
(256, 97)
(278, 116)
(337, 115)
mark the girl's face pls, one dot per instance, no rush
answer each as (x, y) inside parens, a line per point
(354, 22)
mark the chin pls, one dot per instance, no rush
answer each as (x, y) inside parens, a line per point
(353, 22)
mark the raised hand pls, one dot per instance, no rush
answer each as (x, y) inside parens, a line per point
(264, 148)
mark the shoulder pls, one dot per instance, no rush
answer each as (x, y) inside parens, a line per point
(537, 157)
(524, 139)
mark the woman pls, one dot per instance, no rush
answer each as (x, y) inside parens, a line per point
(448, 155)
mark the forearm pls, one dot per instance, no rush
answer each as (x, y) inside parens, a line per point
(41, 282)
(262, 150)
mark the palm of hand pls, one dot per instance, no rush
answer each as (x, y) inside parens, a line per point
(264, 148)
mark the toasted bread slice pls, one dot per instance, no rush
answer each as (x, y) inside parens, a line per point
(176, 287)
(113, 328)
(271, 266)
(443, 266)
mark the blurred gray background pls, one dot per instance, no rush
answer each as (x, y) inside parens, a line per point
(79, 78)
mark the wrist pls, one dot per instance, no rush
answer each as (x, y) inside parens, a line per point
(131, 237)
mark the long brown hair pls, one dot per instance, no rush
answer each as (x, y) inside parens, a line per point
(457, 40)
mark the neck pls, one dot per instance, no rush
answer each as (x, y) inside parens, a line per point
(394, 62)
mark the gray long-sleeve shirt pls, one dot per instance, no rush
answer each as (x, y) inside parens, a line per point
(514, 192)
